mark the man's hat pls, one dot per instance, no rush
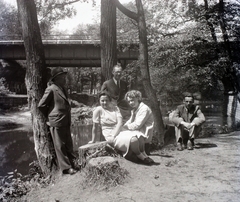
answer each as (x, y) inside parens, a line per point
(56, 71)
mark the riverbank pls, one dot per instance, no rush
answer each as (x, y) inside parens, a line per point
(208, 173)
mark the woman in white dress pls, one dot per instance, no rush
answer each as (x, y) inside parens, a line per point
(138, 130)
(109, 118)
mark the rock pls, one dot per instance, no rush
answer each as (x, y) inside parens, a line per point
(89, 151)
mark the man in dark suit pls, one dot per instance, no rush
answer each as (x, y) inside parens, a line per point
(117, 90)
(187, 119)
(56, 108)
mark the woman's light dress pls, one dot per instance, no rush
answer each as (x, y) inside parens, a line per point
(108, 121)
(139, 125)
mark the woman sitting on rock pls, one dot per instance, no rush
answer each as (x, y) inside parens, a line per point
(109, 118)
(139, 128)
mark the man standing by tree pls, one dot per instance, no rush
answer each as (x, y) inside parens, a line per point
(56, 108)
(187, 119)
(117, 89)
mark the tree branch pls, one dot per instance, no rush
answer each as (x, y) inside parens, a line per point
(65, 3)
(126, 11)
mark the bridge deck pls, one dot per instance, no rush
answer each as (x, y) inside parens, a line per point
(68, 53)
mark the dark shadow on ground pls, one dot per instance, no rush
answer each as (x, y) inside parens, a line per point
(134, 159)
(162, 155)
(204, 145)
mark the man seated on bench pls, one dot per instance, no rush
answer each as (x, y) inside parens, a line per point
(187, 119)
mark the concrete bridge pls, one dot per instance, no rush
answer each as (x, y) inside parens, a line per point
(69, 53)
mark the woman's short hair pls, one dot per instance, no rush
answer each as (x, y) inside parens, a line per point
(104, 93)
(134, 94)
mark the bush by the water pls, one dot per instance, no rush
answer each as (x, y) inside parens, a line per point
(15, 185)
(3, 89)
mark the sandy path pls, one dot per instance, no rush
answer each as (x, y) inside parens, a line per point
(209, 173)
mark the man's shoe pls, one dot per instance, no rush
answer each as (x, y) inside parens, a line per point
(179, 146)
(192, 141)
(189, 145)
(70, 171)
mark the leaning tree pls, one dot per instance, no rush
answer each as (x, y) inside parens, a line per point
(139, 17)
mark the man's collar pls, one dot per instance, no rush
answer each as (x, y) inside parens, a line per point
(115, 81)
(192, 107)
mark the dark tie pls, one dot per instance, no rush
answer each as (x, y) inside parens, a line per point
(118, 84)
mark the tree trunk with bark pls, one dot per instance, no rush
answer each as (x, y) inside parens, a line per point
(143, 61)
(108, 39)
(36, 83)
(144, 68)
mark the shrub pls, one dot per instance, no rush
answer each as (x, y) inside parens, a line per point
(14, 185)
(3, 89)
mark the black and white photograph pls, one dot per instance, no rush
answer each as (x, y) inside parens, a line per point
(119, 100)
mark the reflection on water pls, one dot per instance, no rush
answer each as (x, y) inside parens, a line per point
(82, 134)
(17, 147)
(16, 151)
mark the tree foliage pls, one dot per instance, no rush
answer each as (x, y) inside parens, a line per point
(183, 53)
(80, 79)
(9, 26)
(87, 32)
(49, 13)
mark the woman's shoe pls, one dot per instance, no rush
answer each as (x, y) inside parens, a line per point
(148, 161)
(70, 171)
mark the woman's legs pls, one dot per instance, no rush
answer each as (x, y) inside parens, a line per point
(142, 146)
(135, 147)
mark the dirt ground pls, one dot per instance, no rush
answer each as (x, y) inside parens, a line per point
(211, 172)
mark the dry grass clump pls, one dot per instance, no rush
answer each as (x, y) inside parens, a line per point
(104, 176)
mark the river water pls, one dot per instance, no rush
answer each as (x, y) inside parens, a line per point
(17, 147)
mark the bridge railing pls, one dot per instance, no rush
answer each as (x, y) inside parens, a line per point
(61, 39)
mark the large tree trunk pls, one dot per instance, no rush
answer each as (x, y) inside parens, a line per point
(108, 38)
(143, 60)
(36, 83)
